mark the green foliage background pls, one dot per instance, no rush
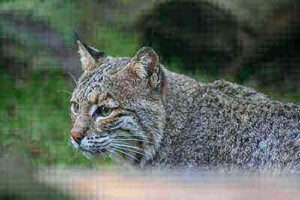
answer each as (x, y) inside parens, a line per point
(34, 92)
(34, 105)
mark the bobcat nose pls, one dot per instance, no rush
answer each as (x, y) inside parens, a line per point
(78, 131)
(77, 137)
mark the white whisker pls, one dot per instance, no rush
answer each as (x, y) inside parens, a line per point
(113, 154)
(132, 135)
(130, 150)
(73, 78)
(119, 150)
(141, 135)
(65, 91)
(127, 145)
(133, 140)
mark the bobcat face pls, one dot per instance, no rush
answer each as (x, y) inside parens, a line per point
(117, 107)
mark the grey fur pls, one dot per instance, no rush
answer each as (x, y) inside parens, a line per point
(187, 124)
(222, 124)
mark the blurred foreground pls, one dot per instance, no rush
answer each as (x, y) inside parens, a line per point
(115, 184)
(125, 183)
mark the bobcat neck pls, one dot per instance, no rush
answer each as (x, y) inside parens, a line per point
(181, 94)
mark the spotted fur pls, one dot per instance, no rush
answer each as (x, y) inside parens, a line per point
(163, 119)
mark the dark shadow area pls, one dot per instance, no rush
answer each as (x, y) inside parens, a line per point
(204, 36)
(211, 39)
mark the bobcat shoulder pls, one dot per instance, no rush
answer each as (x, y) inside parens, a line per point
(135, 110)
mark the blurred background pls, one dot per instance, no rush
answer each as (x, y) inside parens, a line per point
(254, 43)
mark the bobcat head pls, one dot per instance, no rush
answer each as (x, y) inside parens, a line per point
(117, 108)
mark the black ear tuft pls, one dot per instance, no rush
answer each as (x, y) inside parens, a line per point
(95, 53)
(77, 37)
(90, 57)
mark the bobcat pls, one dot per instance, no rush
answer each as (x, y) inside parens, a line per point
(134, 109)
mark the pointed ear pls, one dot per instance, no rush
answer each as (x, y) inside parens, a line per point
(90, 57)
(145, 65)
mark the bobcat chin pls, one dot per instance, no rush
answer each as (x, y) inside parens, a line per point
(133, 109)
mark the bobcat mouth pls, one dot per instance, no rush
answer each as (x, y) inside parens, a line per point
(75, 144)
(120, 145)
(92, 145)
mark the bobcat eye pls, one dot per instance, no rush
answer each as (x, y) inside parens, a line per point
(102, 111)
(74, 108)
(106, 111)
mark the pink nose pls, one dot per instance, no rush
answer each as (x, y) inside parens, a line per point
(77, 137)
